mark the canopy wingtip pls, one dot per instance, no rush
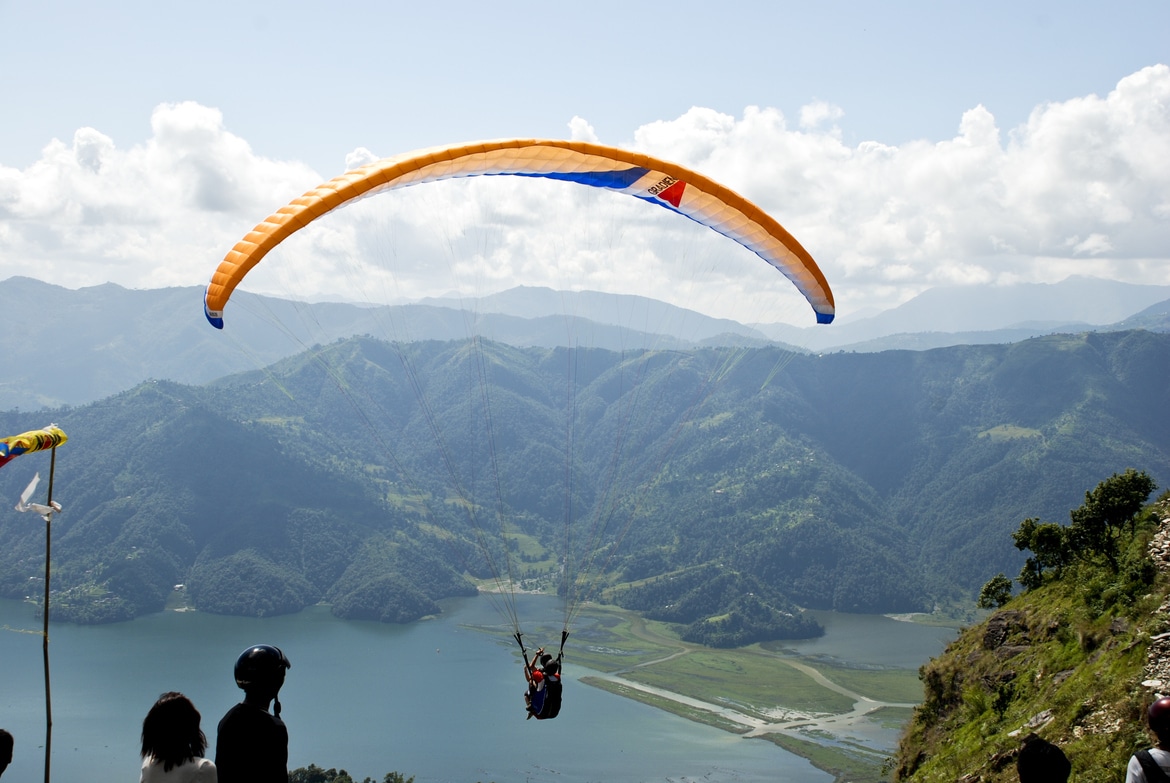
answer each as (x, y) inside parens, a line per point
(214, 317)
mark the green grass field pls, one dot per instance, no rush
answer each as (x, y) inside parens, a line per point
(892, 685)
(755, 683)
(669, 705)
(842, 763)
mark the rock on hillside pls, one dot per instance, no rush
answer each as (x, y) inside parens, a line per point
(1157, 669)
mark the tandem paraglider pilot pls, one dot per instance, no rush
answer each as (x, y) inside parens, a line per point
(252, 744)
(543, 697)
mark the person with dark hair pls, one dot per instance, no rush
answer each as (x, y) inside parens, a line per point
(173, 743)
(1153, 765)
(6, 744)
(1039, 761)
(252, 744)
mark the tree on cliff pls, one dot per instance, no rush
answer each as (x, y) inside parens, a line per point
(1109, 511)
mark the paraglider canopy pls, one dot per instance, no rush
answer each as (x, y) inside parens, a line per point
(657, 181)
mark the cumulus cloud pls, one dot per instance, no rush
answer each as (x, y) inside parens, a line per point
(1082, 187)
(358, 158)
(581, 130)
(816, 114)
(154, 215)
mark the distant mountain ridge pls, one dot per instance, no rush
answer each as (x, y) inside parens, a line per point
(616, 309)
(968, 315)
(89, 343)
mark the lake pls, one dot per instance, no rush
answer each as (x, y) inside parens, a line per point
(437, 700)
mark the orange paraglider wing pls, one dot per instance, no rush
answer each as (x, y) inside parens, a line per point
(642, 176)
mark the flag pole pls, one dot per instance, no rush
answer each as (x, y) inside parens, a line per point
(45, 632)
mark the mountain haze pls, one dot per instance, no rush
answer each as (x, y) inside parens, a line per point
(960, 315)
(89, 343)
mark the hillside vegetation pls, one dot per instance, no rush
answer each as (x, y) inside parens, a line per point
(372, 476)
(1075, 659)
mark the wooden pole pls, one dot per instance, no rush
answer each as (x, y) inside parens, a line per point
(45, 632)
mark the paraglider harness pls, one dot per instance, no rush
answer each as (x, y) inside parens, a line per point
(551, 706)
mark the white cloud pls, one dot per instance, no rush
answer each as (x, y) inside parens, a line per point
(1080, 188)
(158, 214)
(580, 130)
(813, 115)
(972, 208)
(1092, 245)
(358, 158)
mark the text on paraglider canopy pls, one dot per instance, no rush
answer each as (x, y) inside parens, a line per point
(662, 185)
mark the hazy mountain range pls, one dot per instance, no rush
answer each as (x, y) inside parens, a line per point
(973, 315)
(75, 346)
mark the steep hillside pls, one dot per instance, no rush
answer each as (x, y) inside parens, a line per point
(161, 489)
(964, 442)
(1075, 661)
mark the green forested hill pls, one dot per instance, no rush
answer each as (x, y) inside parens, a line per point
(162, 488)
(972, 438)
(370, 475)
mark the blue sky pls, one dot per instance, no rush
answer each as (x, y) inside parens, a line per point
(304, 82)
(294, 88)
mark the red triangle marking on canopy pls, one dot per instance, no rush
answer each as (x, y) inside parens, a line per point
(673, 194)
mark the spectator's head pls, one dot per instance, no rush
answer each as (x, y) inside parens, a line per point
(1158, 716)
(1040, 761)
(260, 670)
(5, 750)
(171, 733)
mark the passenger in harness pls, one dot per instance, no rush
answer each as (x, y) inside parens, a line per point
(543, 697)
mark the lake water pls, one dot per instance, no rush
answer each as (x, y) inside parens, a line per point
(873, 640)
(436, 700)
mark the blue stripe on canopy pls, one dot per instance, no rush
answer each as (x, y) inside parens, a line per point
(611, 180)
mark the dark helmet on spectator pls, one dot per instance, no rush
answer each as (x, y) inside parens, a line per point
(261, 666)
(1159, 716)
